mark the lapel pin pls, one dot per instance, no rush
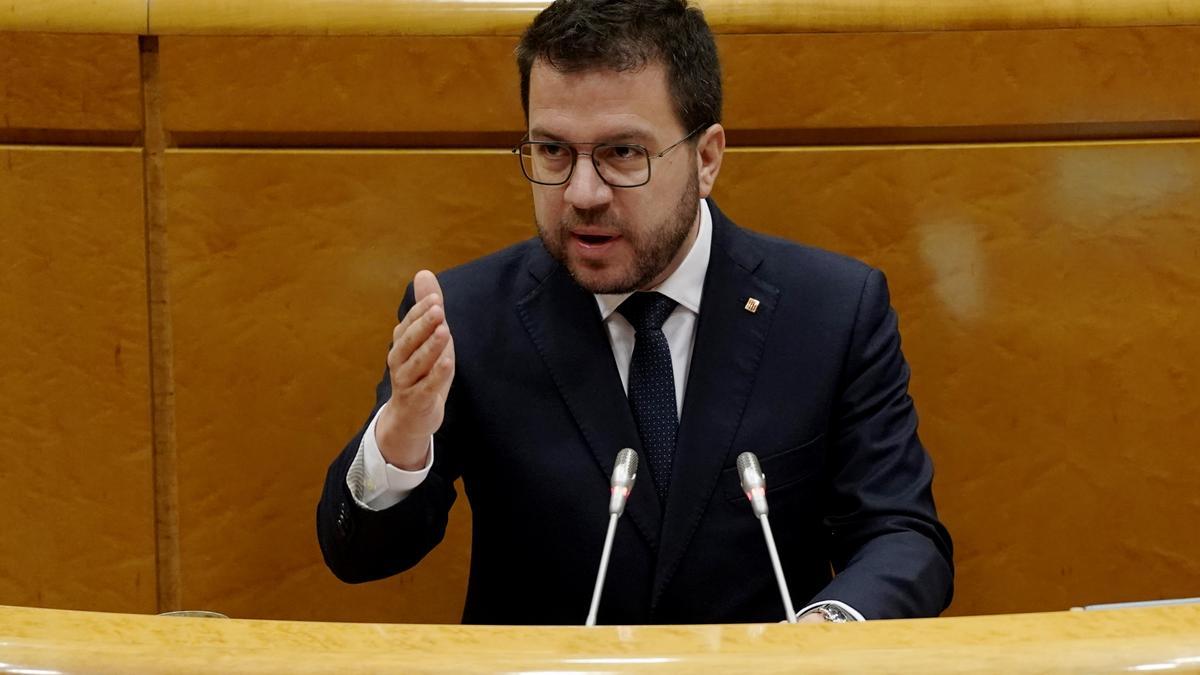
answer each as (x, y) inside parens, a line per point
(752, 305)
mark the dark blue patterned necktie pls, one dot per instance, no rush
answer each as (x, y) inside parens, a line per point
(652, 384)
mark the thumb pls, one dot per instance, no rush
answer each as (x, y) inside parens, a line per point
(424, 284)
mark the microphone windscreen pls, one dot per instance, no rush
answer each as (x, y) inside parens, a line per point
(624, 469)
(628, 459)
(747, 460)
(623, 475)
(754, 484)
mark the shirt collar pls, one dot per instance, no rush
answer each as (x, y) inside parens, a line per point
(686, 283)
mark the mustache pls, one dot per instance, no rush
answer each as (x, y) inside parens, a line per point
(591, 217)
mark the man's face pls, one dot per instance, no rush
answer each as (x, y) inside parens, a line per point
(614, 240)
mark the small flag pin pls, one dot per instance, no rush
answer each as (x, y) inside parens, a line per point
(752, 305)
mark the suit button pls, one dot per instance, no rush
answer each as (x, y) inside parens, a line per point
(345, 524)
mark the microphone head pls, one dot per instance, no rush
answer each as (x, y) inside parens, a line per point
(623, 475)
(625, 468)
(747, 460)
(750, 472)
(754, 484)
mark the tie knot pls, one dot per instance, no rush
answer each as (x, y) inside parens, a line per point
(647, 311)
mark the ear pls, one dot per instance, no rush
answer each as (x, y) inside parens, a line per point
(710, 150)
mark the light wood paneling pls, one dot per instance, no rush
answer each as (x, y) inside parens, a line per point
(78, 82)
(1031, 78)
(75, 16)
(76, 488)
(1116, 642)
(346, 84)
(1047, 300)
(855, 16)
(285, 273)
(824, 88)
(364, 17)
(509, 17)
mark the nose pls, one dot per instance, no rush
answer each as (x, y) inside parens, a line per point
(586, 190)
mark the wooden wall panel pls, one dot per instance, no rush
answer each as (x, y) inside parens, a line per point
(77, 82)
(76, 485)
(286, 269)
(355, 84)
(509, 17)
(824, 87)
(450, 18)
(1022, 78)
(364, 17)
(1047, 301)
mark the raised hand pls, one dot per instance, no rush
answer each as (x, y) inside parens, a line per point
(421, 363)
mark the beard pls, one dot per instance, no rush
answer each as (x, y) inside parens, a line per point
(654, 247)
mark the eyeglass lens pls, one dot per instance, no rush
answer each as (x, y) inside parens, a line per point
(618, 165)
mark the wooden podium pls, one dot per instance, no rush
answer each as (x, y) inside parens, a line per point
(47, 641)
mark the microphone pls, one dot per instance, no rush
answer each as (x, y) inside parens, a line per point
(754, 484)
(623, 475)
(624, 471)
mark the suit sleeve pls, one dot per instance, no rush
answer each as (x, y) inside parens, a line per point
(891, 555)
(359, 544)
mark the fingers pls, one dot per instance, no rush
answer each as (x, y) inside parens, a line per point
(424, 284)
(436, 382)
(416, 327)
(422, 318)
(422, 305)
(422, 337)
(417, 365)
(421, 362)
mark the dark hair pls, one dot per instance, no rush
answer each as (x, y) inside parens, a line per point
(623, 35)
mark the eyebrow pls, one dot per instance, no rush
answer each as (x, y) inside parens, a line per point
(626, 136)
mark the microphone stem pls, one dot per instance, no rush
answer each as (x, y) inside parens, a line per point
(783, 589)
(608, 542)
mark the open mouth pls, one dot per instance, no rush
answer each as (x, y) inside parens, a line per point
(594, 239)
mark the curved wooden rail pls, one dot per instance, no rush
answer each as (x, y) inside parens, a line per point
(74, 16)
(1129, 640)
(509, 17)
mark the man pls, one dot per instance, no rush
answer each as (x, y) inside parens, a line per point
(526, 371)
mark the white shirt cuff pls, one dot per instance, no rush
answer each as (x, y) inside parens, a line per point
(836, 603)
(376, 485)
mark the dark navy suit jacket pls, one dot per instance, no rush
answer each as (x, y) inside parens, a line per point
(813, 382)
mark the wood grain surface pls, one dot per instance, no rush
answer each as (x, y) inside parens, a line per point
(77, 484)
(1115, 641)
(509, 17)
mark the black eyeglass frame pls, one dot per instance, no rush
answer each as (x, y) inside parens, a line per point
(570, 145)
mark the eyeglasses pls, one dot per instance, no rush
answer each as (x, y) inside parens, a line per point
(620, 165)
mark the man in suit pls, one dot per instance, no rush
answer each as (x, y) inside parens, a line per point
(643, 317)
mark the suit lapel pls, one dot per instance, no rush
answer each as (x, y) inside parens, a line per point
(725, 359)
(564, 323)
